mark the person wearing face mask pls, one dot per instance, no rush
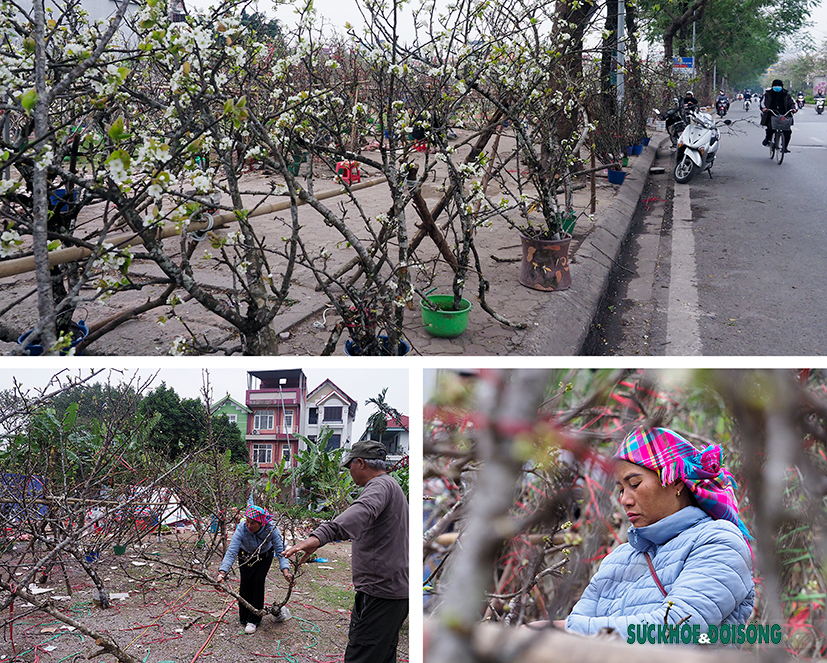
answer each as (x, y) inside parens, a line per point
(687, 559)
(779, 100)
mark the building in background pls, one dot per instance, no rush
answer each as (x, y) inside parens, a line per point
(236, 412)
(330, 407)
(276, 400)
(395, 437)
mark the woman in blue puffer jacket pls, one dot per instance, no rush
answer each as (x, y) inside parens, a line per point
(687, 559)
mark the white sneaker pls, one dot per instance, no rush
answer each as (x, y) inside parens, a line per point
(250, 628)
(283, 616)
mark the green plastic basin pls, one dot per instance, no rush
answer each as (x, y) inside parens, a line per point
(445, 323)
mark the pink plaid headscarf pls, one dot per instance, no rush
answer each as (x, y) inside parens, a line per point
(672, 457)
(257, 513)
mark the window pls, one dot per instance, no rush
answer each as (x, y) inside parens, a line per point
(233, 418)
(334, 442)
(263, 420)
(394, 445)
(263, 454)
(313, 416)
(333, 413)
(288, 422)
(285, 452)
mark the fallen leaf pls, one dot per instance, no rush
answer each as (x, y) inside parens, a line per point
(49, 629)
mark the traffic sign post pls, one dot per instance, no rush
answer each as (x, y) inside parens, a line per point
(683, 64)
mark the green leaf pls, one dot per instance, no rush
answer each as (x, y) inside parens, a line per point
(70, 417)
(116, 130)
(28, 100)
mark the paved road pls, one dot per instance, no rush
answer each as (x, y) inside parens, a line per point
(728, 266)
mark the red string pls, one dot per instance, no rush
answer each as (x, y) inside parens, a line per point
(212, 633)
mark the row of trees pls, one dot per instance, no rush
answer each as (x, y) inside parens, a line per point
(735, 39)
(113, 149)
(801, 68)
(526, 553)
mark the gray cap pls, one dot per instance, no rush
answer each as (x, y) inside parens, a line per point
(368, 449)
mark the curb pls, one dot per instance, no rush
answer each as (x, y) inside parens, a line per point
(563, 323)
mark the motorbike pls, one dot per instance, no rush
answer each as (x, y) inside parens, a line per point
(697, 146)
(721, 107)
(746, 103)
(675, 119)
(820, 105)
(799, 100)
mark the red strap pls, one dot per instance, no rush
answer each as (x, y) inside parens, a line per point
(654, 575)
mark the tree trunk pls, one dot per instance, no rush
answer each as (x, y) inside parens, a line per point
(607, 59)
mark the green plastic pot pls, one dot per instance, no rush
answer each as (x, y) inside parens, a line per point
(445, 323)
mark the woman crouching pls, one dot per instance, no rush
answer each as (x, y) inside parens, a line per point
(254, 543)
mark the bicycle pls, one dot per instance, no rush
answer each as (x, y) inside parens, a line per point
(780, 124)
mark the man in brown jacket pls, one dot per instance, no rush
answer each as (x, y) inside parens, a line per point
(377, 523)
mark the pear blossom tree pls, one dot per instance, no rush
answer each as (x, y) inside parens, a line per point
(150, 115)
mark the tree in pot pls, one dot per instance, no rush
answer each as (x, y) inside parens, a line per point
(549, 124)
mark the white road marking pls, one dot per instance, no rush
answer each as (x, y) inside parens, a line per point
(817, 140)
(683, 334)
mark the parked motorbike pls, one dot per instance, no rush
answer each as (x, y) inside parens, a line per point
(697, 146)
(675, 119)
(721, 107)
(820, 105)
(799, 100)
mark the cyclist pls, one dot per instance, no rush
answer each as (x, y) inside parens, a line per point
(777, 99)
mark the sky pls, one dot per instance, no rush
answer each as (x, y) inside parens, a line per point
(338, 12)
(358, 383)
(819, 17)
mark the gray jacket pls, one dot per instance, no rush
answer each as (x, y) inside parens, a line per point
(377, 522)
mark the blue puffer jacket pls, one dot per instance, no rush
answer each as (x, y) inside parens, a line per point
(704, 565)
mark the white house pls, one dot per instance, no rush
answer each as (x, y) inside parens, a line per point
(329, 406)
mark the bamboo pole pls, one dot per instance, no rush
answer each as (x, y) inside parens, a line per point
(76, 253)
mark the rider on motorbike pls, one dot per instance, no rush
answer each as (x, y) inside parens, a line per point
(689, 101)
(779, 100)
(722, 99)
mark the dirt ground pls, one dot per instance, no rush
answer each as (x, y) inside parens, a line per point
(159, 621)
